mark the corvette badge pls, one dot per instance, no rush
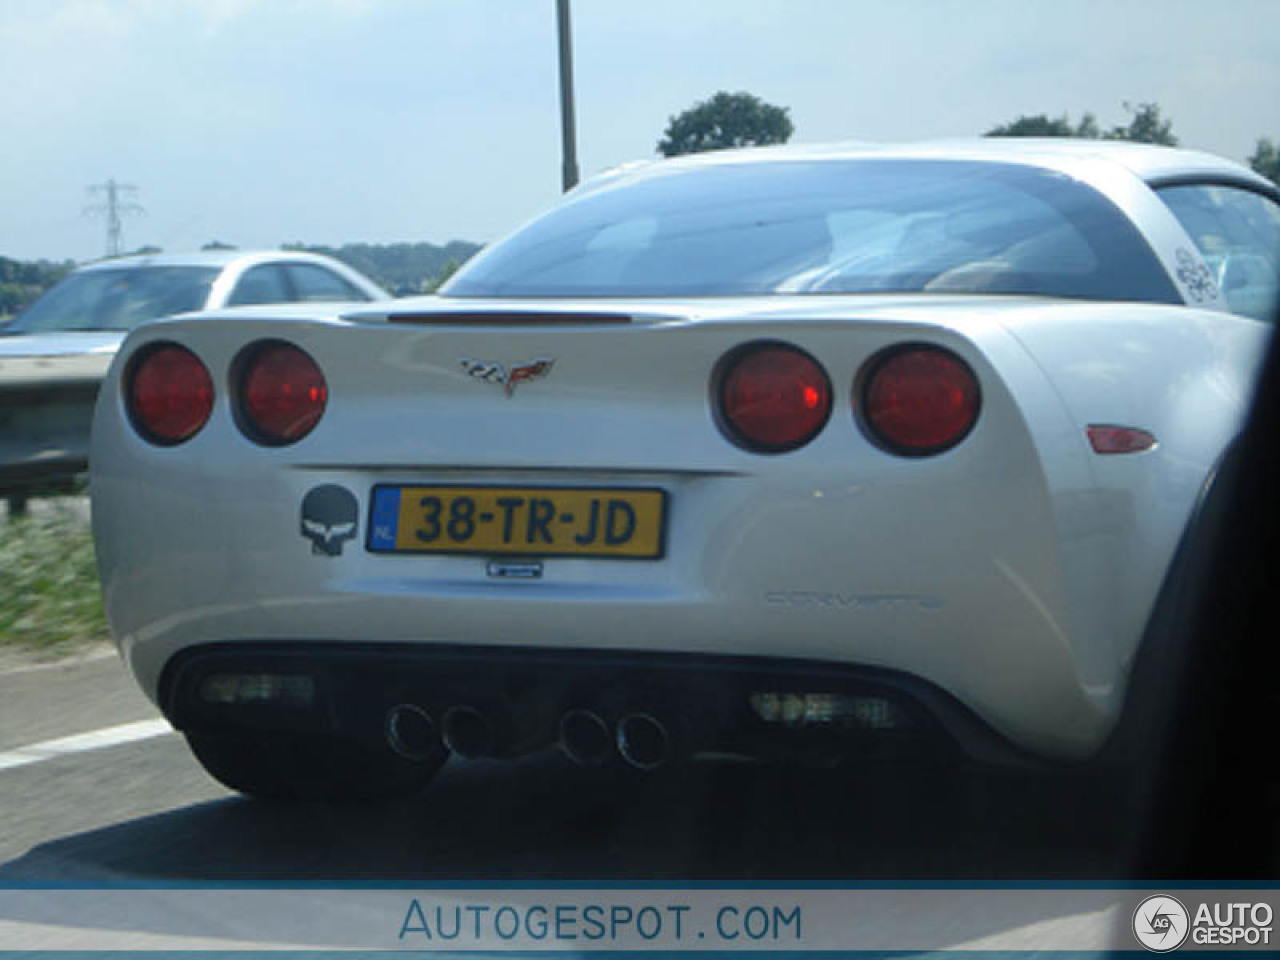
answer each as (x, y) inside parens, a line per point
(507, 379)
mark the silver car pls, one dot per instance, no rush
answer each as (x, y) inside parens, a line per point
(54, 355)
(802, 453)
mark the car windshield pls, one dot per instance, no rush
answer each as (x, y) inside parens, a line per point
(117, 299)
(828, 227)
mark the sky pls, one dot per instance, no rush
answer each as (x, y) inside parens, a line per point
(261, 122)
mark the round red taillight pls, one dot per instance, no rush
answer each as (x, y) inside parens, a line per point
(918, 400)
(170, 394)
(282, 393)
(773, 397)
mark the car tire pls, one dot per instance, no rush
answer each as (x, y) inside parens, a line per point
(294, 766)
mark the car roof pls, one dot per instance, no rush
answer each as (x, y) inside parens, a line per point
(206, 258)
(1154, 164)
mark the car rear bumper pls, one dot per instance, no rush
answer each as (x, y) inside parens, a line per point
(759, 707)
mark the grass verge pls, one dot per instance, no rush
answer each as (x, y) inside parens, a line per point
(50, 605)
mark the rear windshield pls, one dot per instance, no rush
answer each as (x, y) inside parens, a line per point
(117, 299)
(828, 227)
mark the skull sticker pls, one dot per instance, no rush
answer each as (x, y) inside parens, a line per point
(329, 518)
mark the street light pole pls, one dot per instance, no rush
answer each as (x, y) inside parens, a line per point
(568, 132)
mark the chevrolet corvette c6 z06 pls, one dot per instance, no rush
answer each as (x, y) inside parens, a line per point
(788, 453)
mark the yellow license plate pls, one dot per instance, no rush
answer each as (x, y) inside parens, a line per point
(524, 521)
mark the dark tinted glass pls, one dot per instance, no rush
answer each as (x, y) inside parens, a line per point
(262, 284)
(317, 284)
(828, 227)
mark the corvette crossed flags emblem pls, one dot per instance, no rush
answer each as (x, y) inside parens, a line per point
(507, 379)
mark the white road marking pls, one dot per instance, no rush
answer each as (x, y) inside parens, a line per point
(81, 742)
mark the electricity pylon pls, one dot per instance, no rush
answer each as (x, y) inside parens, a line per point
(115, 207)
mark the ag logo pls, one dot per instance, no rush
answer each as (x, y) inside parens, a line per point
(329, 517)
(1161, 923)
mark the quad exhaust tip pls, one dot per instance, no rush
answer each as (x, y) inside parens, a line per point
(643, 741)
(411, 732)
(584, 737)
(641, 738)
(468, 732)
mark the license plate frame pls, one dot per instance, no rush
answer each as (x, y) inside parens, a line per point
(388, 536)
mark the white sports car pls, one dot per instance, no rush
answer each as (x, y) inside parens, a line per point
(792, 452)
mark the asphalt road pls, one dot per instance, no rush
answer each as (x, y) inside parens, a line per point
(145, 811)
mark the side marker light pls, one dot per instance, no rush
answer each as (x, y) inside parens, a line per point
(1108, 439)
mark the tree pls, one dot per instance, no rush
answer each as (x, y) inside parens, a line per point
(447, 271)
(1145, 126)
(1266, 160)
(402, 268)
(1041, 126)
(726, 120)
(21, 282)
